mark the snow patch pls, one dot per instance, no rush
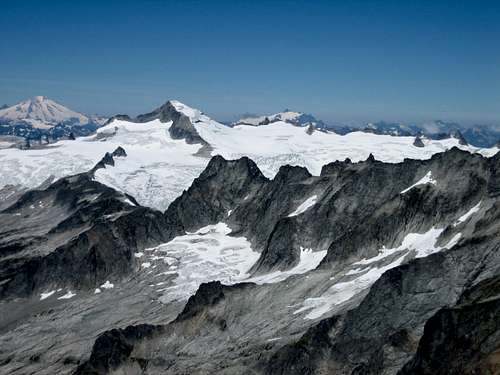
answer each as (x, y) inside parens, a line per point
(308, 203)
(107, 285)
(46, 295)
(68, 295)
(366, 271)
(427, 179)
(309, 260)
(467, 215)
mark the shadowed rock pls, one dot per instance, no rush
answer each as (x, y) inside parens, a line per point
(418, 142)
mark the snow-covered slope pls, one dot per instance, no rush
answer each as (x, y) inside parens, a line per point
(42, 113)
(158, 168)
(292, 117)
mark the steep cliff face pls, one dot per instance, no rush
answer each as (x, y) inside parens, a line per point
(74, 233)
(182, 126)
(463, 339)
(382, 333)
(220, 188)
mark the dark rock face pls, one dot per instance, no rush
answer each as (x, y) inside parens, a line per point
(356, 212)
(108, 159)
(76, 232)
(418, 142)
(119, 152)
(207, 295)
(181, 128)
(461, 181)
(165, 113)
(113, 349)
(219, 188)
(458, 135)
(418, 317)
(382, 333)
(118, 117)
(464, 339)
(130, 349)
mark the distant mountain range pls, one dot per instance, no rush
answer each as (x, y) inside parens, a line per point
(476, 135)
(41, 119)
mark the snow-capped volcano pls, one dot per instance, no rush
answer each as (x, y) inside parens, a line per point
(42, 118)
(41, 112)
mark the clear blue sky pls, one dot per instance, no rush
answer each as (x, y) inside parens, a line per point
(341, 60)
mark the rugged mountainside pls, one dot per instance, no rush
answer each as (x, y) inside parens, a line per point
(409, 253)
(44, 120)
(75, 232)
(383, 332)
(279, 261)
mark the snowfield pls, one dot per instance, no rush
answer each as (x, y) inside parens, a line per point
(182, 264)
(158, 168)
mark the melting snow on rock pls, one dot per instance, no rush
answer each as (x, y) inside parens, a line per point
(308, 203)
(468, 214)
(427, 179)
(365, 272)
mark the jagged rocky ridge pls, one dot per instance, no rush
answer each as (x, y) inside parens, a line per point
(359, 208)
(382, 333)
(75, 232)
(182, 127)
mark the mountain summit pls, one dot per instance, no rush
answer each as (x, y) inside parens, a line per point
(42, 112)
(291, 117)
(40, 116)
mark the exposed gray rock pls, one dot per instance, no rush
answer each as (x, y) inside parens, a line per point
(108, 159)
(181, 127)
(118, 117)
(248, 328)
(458, 135)
(418, 142)
(220, 187)
(119, 152)
(464, 339)
(76, 232)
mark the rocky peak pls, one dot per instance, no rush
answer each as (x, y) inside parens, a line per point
(418, 142)
(219, 188)
(457, 134)
(290, 174)
(208, 294)
(108, 159)
(165, 113)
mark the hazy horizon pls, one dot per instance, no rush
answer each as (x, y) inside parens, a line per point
(353, 61)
